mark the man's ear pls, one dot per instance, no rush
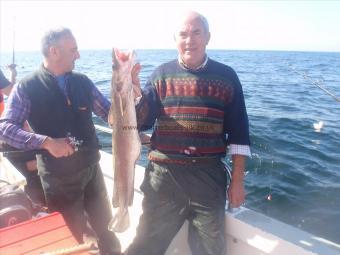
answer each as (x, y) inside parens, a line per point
(208, 38)
(53, 51)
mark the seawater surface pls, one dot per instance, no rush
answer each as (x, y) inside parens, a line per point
(294, 172)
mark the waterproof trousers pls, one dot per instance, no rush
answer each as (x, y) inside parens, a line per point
(33, 187)
(174, 193)
(79, 192)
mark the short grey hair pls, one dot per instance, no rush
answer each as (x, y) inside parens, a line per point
(53, 37)
(194, 15)
(204, 22)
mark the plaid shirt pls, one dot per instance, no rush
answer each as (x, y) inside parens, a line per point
(18, 109)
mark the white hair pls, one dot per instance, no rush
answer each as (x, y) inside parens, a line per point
(204, 22)
(193, 14)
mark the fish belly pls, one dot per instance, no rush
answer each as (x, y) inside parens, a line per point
(126, 148)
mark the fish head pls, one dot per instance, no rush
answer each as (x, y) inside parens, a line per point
(122, 64)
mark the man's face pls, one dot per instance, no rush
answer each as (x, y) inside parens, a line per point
(67, 53)
(191, 41)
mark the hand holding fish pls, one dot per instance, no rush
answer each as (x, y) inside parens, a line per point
(13, 71)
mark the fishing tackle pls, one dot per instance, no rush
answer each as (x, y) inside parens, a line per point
(316, 83)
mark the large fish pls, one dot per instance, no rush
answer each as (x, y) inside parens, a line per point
(126, 143)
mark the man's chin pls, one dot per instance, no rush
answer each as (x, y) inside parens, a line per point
(71, 68)
(189, 61)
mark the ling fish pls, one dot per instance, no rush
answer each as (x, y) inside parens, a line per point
(126, 145)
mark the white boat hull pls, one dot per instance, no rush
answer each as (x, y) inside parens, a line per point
(247, 232)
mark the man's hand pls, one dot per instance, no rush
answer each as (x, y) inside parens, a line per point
(58, 147)
(236, 192)
(12, 67)
(13, 70)
(31, 165)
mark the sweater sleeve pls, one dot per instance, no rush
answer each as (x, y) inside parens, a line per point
(236, 118)
(148, 108)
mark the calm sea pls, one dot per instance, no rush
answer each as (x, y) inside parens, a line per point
(294, 172)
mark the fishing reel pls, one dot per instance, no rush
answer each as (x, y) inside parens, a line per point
(74, 142)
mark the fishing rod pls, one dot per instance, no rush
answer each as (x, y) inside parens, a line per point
(8, 150)
(13, 46)
(103, 129)
(316, 83)
(12, 152)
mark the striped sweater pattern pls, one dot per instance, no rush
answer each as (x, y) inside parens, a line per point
(192, 115)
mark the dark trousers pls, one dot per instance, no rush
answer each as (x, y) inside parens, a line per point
(33, 187)
(77, 192)
(175, 193)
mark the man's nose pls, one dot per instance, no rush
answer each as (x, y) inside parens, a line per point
(77, 55)
(189, 39)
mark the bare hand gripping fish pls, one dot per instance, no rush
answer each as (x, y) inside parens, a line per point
(126, 143)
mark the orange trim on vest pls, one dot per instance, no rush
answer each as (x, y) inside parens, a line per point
(2, 103)
(2, 107)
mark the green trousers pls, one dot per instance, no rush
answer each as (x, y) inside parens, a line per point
(78, 192)
(33, 187)
(174, 193)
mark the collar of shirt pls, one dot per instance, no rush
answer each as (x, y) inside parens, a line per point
(61, 80)
(197, 69)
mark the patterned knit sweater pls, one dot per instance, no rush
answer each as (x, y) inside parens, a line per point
(193, 113)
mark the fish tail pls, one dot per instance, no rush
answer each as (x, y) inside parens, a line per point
(120, 220)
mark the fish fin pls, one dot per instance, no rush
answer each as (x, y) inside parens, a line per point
(115, 63)
(110, 118)
(121, 106)
(120, 220)
(115, 197)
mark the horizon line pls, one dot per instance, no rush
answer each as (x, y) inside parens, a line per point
(208, 49)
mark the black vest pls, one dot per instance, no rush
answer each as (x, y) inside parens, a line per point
(54, 115)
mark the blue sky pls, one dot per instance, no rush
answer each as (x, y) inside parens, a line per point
(235, 25)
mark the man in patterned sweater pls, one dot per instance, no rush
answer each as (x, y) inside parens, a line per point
(196, 107)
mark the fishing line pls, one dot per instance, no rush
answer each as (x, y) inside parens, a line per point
(316, 83)
(269, 196)
(261, 165)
